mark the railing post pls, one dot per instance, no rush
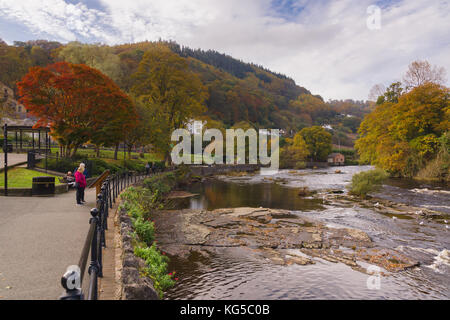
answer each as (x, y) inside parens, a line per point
(115, 187)
(101, 210)
(71, 282)
(105, 205)
(100, 232)
(108, 190)
(94, 267)
(111, 189)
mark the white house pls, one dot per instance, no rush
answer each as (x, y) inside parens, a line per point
(196, 126)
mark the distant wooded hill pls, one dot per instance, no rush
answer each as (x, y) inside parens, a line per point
(238, 91)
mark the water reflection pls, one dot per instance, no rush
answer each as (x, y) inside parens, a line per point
(228, 276)
(216, 194)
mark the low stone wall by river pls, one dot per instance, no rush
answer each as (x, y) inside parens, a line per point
(133, 285)
(317, 165)
(223, 169)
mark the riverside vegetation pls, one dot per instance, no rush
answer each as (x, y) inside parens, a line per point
(139, 202)
(408, 132)
(368, 181)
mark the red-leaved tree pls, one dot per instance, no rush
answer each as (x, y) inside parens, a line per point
(79, 103)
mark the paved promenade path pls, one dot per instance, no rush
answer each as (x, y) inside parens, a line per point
(39, 239)
(13, 158)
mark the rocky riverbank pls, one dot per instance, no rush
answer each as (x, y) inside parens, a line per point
(275, 236)
(315, 241)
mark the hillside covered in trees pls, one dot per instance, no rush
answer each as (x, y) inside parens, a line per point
(237, 91)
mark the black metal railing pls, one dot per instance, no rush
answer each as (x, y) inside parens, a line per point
(72, 280)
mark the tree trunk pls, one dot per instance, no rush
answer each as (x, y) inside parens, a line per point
(74, 152)
(67, 151)
(97, 151)
(116, 151)
(129, 151)
(168, 159)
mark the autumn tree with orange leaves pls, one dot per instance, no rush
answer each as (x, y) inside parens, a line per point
(79, 103)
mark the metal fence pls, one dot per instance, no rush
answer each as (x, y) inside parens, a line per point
(72, 280)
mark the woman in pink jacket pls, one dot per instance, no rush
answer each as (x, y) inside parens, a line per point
(80, 181)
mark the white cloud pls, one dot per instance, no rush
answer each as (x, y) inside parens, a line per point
(326, 48)
(57, 19)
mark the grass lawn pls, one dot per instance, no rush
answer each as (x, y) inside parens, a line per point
(23, 178)
(109, 155)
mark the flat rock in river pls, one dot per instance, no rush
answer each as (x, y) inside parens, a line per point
(267, 233)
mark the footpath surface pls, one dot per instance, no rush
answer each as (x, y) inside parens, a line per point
(13, 159)
(39, 239)
(110, 288)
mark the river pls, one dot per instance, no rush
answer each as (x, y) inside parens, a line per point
(230, 275)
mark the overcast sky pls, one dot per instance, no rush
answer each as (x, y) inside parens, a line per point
(326, 46)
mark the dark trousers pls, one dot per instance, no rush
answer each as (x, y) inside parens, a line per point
(80, 195)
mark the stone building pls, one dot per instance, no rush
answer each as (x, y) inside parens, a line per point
(336, 159)
(8, 104)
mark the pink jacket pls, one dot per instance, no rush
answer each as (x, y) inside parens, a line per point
(80, 179)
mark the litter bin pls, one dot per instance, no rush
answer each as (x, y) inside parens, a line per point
(43, 186)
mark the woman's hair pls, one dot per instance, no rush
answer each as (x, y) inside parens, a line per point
(81, 168)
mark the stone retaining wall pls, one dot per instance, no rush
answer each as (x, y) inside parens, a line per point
(222, 169)
(317, 164)
(134, 286)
